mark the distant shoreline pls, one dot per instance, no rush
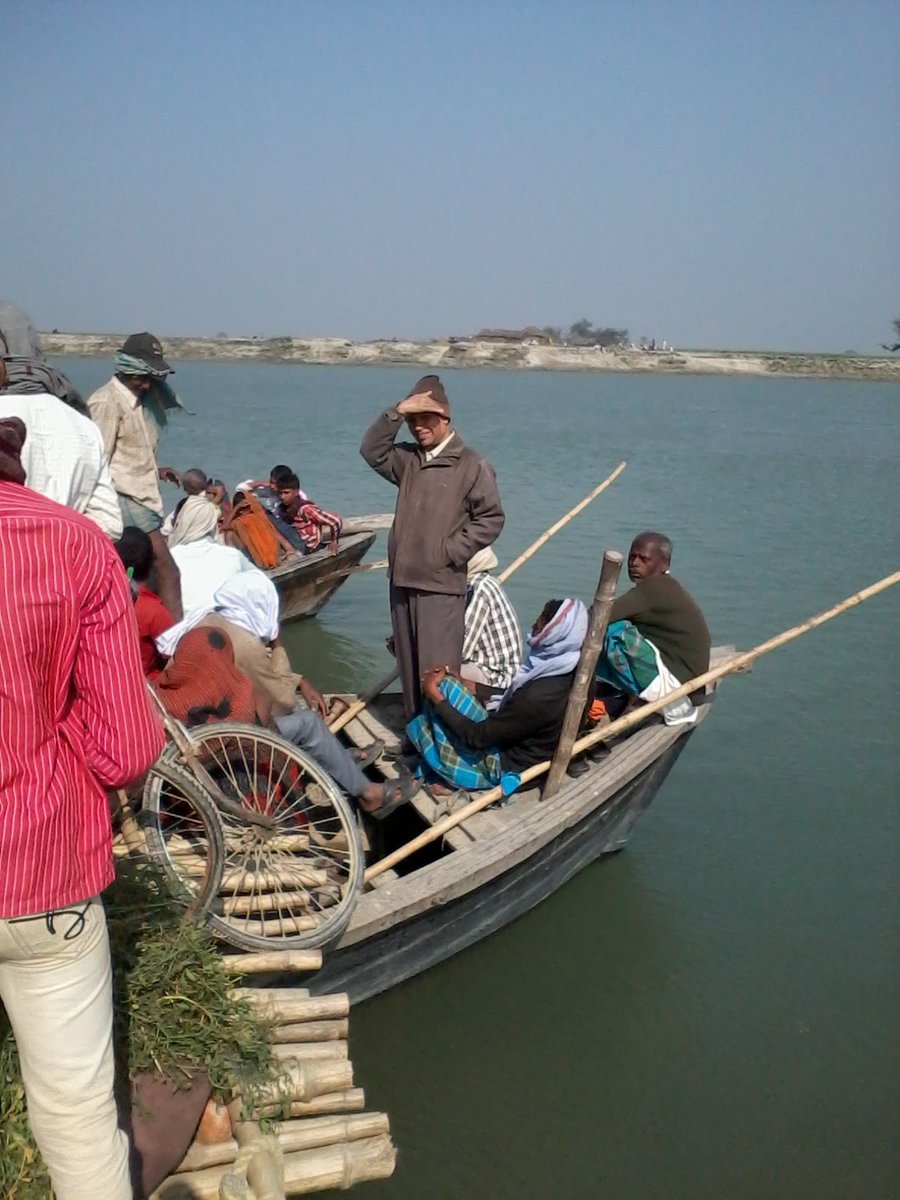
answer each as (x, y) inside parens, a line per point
(506, 355)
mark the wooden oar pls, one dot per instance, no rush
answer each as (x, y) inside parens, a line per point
(628, 722)
(358, 705)
(378, 565)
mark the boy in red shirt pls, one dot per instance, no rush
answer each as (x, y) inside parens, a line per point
(153, 618)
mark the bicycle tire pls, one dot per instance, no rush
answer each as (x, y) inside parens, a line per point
(184, 835)
(294, 886)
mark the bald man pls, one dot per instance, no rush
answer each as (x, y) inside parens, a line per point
(657, 637)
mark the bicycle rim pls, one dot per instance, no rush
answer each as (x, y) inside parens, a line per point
(184, 835)
(293, 886)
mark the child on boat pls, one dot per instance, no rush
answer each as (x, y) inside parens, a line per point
(308, 519)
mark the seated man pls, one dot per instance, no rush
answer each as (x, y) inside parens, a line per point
(246, 609)
(657, 637)
(492, 646)
(194, 482)
(307, 518)
(153, 618)
(203, 563)
(473, 749)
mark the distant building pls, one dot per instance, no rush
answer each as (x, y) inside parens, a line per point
(529, 336)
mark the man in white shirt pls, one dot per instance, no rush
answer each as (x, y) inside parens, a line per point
(64, 459)
(63, 455)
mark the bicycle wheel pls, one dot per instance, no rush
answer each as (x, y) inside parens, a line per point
(184, 834)
(292, 886)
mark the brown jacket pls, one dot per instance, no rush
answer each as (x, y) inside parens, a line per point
(446, 510)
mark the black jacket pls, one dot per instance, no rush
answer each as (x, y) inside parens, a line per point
(525, 730)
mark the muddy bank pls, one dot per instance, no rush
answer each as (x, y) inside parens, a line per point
(511, 356)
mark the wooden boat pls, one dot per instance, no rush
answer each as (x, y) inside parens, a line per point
(306, 583)
(500, 862)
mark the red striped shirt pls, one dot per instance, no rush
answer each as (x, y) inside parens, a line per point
(75, 717)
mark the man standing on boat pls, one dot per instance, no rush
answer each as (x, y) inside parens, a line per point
(74, 720)
(131, 411)
(448, 508)
(657, 637)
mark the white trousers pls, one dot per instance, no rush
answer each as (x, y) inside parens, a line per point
(56, 985)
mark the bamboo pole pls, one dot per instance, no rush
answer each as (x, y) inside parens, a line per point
(308, 1079)
(132, 835)
(379, 565)
(306, 1133)
(312, 1031)
(339, 1166)
(738, 663)
(272, 960)
(348, 1100)
(309, 1051)
(587, 665)
(357, 707)
(285, 1005)
(573, 512)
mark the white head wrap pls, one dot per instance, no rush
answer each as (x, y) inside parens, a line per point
(197, 519)
(481, 561)
(249, 600)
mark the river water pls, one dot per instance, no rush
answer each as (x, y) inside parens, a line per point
(714, 1012)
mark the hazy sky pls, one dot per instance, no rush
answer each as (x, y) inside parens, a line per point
(717, 173)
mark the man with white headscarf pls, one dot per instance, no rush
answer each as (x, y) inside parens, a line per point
(492, 645)
(63, 455)
(203, 563)
(246, 609)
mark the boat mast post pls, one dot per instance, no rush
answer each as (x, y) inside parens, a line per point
(584, 673)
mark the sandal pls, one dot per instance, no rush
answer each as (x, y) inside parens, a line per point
(365, 756)
(402, 789)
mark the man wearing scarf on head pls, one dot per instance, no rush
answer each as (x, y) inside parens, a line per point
(472, 748)
(63, 455)
(448, 508)
(204, 564)
(74, 721)
(131, 411)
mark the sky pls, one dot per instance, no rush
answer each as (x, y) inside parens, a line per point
(718, 174)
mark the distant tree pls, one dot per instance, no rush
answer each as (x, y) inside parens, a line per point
(610, 337)
(553, 332)
(896, 346)
(583, 333)
(581, 330)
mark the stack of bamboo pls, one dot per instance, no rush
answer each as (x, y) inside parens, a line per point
(327, 1142)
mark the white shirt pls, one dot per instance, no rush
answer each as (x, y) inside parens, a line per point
(430, 454)
(64, 459)
(204, 567)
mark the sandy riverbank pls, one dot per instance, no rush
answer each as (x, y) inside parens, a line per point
(515, 356)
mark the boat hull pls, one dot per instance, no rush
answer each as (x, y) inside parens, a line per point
(365, 968)
(305, 586)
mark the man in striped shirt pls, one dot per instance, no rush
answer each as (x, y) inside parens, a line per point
(492, 644)
(74, 721)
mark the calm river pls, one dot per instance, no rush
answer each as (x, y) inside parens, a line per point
(714, 1013)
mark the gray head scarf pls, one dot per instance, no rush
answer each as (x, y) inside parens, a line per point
(27, 371)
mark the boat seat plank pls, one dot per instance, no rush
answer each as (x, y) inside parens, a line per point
(362, 731)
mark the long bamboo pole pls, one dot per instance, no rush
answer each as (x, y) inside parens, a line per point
(584, 672)
(357, 707)
(631, 719)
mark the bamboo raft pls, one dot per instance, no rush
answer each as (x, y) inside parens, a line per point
(328, 1141)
